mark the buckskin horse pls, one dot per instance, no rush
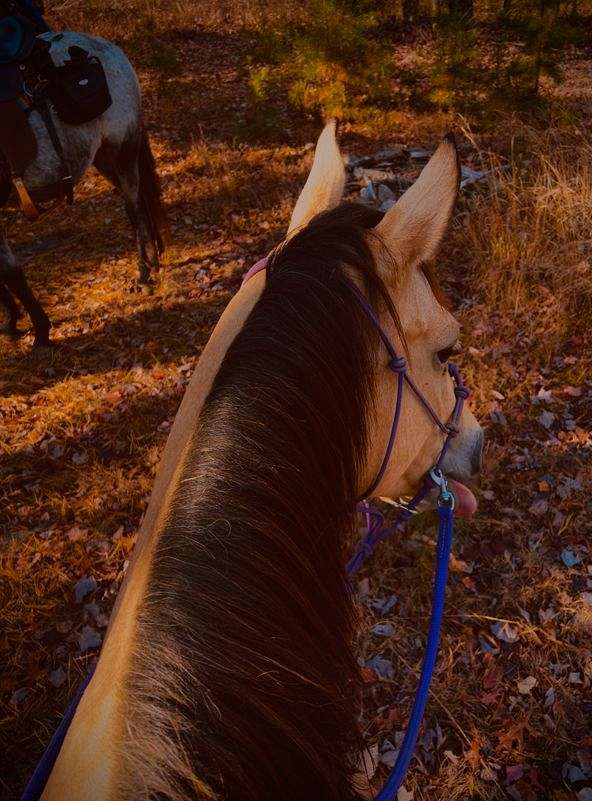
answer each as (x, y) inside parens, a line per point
(228, 669)
(47, 163)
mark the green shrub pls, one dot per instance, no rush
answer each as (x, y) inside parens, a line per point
(330, 61)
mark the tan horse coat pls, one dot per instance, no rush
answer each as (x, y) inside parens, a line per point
(86, 769)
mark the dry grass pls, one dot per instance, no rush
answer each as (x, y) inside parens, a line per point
(529, 235)
(83, 426)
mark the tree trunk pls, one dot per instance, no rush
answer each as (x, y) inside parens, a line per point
(409, 11)
(461, 8)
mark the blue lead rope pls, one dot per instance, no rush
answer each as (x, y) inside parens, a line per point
(397, 775)
(37, 782)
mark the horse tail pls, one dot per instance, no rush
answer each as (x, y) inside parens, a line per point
(151, 196)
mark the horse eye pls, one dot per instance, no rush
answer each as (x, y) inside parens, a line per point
(447, 353)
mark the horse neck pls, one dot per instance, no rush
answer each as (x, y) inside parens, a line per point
(244, 680)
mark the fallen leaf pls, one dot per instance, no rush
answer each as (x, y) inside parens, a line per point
(89, 639)
(382, 667)
(527, 685)
(57, 677)
(383, 629)
(382, 604)
(513, 773)
(550, 697)
(368, 675)
(512, 736)
(573, 773)
(505, 632)
(84, 587)
(18, 696)
(492, 676)
(569, 558)
(75, 534)
(546, 419)
(539, 507)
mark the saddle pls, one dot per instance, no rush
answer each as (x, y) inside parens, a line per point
(17, 141)
(29, 80)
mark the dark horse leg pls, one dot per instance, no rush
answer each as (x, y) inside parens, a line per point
(12, 310)
(13, 284)
(130, 168)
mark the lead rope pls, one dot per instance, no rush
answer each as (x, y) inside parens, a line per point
(397, 774)
(377, 532)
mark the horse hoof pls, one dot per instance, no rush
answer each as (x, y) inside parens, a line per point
(42, 338)
(147, 289)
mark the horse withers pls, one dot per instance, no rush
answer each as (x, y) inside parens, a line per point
(228, 669)
(115, 142)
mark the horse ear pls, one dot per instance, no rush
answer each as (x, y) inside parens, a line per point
(325, 183)
(415, 226)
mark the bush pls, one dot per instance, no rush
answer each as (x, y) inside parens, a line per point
(529, 235)
(330, 62)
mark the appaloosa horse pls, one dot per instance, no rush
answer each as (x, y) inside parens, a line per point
(228, 670)
(116, 143)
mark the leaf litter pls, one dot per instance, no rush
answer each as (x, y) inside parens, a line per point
(85, 432)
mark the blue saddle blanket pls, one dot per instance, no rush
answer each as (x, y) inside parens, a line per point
(17, 39)
(12, 38)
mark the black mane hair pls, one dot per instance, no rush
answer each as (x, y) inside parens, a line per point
(243, 684)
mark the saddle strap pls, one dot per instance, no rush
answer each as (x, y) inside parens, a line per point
(67, 182)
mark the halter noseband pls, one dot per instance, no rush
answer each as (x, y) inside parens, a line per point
(434, 478)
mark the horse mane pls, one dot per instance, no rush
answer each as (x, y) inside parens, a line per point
(243, 682)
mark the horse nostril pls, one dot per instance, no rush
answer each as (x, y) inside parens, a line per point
(477, 454)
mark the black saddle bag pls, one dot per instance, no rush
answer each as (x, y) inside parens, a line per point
(78, 89)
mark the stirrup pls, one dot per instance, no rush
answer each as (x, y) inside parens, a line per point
(28, 207)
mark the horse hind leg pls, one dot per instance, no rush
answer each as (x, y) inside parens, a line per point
(120, 167)
(15, 285)
(12, 310)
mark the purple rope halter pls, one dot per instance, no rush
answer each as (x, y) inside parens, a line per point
(377, 532)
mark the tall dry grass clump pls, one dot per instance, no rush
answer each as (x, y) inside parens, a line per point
(530, 233)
